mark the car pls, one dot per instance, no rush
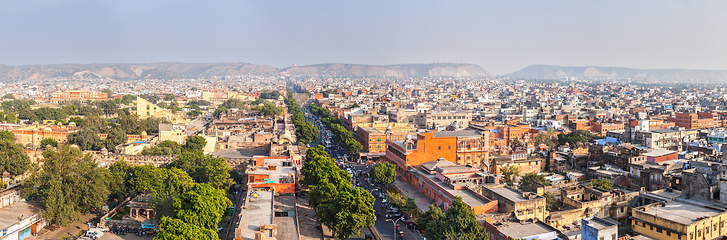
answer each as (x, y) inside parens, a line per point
(383, 201)
(393, 215)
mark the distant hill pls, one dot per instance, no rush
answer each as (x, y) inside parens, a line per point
(664, 75)
(196, 70)
(402, 70)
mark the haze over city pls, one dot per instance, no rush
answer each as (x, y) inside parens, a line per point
(363, 120)
(502, 37)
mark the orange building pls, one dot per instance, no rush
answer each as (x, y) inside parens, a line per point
(603, 128)
(84, 96)
(467, 147)
(693, 120)
(374, 140)
(276, 173)
(501, 136)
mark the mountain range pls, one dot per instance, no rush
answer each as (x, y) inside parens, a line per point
(196, 70)
(122, 72)
(593, 72)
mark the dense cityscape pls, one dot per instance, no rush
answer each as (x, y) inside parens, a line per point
(306, 157)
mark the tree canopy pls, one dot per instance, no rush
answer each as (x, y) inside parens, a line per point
(528, 179)
(604, 184)
(509, 173)
(383, 173)
(459, 222)
(69, 184)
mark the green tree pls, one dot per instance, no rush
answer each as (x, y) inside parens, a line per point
(131, 124)
(323, 192)
(7, 135)
(383, 173)
(109, 93)
(107, 107)
(13, 158)
(84, 139)
(176, 229)
(219, 111)
(114, 138)
(48, 141)
(528, 179)
(459, 222)
(69, 184)
(119, 174)
(217, 174)
(401, 201)
(203, 206)
(10, 117)
(269, 109)
(166, 148)
(509, 173)
(604, 184)
(194, 113)
(550, 203)
(543, 138)
(306, 133)
(169, 97)
(159, 182)
(194, 143)
(9, 96)
(348, 212)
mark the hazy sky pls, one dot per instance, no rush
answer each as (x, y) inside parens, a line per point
(500, 36)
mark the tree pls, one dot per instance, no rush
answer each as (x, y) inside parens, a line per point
(217, 173)
(348, 212)
(194, 113)
(401, 201)
(542, 138)
(13, 158)
(515, 142)
(509, 173)
(131, 124)
(530, 178)
(84, 139)
(322, 193)
(604, 184)
(109, 93)
(69, 184)
(9, 96)
(459, 222)
(576, 136)
(219, 111)
(203, 206)
(176, 229)
(306, 133)
(269, 109)
(204, 168)
(169, 97)
(119, 174)
(166, 148)
(550, 203)
(114, 138)
(194, 143)
(10, 117)
(159, 182)
(48, 141)
(383, 173)
(432, 223)
(7, 135)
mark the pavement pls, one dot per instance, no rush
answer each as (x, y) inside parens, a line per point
(55, 233)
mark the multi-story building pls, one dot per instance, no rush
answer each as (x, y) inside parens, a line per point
(679, 220)
(32, 135)
(374, 140)
(674, 139)
(697, 120)
(84, 96)
(172, 132)
(431, 119)
(598, 229)
(146, 109)
(466, 147)
(524, 205)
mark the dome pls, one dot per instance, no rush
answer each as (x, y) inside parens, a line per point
(389, 127)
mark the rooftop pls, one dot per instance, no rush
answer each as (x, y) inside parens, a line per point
(510, 194)
(463, 133)
(517, 230)
(467, 197)
(658, 153)
(287, 228)
(599, 223)
(258, 212)
(664, 130)
(681, 213)
(11, 214)
(242, 152)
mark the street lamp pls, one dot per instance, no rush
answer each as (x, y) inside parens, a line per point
(394, 222)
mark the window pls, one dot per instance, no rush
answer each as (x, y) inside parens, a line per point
(439, 148)
(530, 211)
(668, 233)
(613, 236)
(540, 210)
(651, 228)
(706, 230)
(449, 147)
(281, 214)
(714, 227)
(658, 230)
(252, 179)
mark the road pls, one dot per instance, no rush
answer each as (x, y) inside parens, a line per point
(385, 228)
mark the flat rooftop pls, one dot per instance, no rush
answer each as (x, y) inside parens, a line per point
(467, 197)
(287, 225)
(599, 224)
(681, 212)
(463, 133)
(11, 214)
(659, 153)
(517, 230)
(509, 194)
(258, 212)
(242, 152)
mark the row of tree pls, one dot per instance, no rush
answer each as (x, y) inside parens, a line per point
(117, 133)
(342, 134)
(342, 208)
(305, 132)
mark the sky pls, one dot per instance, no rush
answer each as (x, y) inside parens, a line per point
(500, 36)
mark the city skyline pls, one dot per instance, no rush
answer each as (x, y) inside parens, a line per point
(500, 37)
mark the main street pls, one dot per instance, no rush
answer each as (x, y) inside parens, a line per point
(384, 228)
